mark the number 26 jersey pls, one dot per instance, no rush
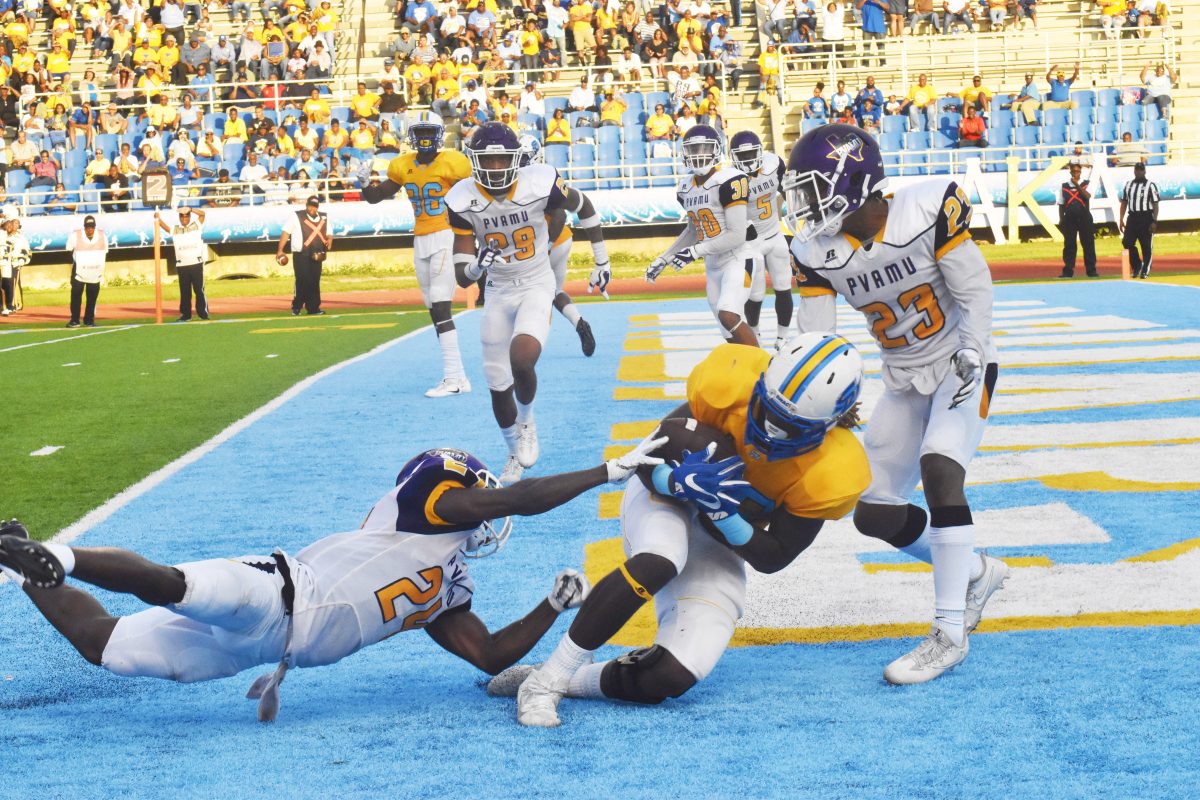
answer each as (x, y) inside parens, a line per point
(426, 186)
(918, 311)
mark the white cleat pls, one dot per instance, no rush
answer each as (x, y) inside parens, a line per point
(509, 681)
(527, 445)
(537, 700)
(935, 655)
(512, 471)
(995, 573)
(449, 387)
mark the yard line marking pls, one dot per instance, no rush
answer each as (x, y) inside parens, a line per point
(171, 360)
(73, 364)
(68, 338)
(49, 449)
(154, 479)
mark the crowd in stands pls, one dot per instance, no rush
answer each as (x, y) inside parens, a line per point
(247, 116)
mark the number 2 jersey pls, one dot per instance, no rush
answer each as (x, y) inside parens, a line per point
(402, 570)
(821, 484)
(427, 184)
(922, 283)
(705, 202)
(513, 222)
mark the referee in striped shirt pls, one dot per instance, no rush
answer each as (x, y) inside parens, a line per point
(1138, 220)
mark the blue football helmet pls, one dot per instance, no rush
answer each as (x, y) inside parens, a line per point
(424, 474)
(495, 154)
(803, 392)
(746, 151)
(831, 172)
(531, 150)
(426, 132)
(702, 149)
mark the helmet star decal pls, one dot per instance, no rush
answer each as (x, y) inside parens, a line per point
(849, 147)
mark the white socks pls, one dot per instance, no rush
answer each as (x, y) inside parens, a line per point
(585, 683)
(565, 661)
(781, 334)
(64, 554)
(572, 314)
(452, 365)
(524, 412)
(953, 560)
(920, 548)
(511, 434)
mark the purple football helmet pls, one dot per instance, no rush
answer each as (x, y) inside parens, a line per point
(495, 154)
(425, 475)
(746, 151)
(701, 149)
(831, 172)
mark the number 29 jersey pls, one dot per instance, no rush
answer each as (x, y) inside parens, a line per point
(402, 570)
(899, 280)
(427, 184)
(514, 222)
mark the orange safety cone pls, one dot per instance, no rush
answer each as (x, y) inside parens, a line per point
(1126, 274)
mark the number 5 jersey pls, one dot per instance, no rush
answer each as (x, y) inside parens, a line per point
(922, 283)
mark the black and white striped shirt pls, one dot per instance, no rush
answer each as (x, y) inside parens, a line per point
(1140, 196)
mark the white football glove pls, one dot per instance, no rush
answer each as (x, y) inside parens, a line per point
(684, 257)
(487, 257)
(968, 366)
(599, 279)
(363, 176)
(655, 269)
(622, 468)
(570, 590)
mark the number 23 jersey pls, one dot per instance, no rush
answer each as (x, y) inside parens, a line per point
(513, 222)
(922, 283)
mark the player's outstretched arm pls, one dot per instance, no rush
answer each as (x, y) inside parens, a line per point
(462, 633)
(376, 194)
(773, 547)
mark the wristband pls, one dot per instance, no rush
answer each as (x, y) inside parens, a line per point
(589, 222)
(735, 529)
(661, 478)
(600, 253)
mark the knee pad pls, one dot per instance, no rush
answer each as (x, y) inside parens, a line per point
(648, 676)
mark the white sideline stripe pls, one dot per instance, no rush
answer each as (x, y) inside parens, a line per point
(68, 338)
(124, 498)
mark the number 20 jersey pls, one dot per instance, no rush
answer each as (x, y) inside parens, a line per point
(897, 281)
(513, 222)
(402, 570)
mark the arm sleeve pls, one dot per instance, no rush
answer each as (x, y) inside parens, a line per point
(460, 224)
(732, 237)
(970, 284)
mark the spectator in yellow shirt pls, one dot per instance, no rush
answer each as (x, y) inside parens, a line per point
(168, 59)
(419, 80)
(977, 95)
(1112, 16)
(97, 166)
(660, 126)
(234, 131)
(511, 122)
(363, 137)
(688, 31)
(612, 108)
(335, 138)
(316, 109)
(163, 114)
(580, 16)
(17, 32)
(921, 99)
(284, 143)
(58, 62)
(364, 104)
(558, 128)
(768, 68)
(150, 83)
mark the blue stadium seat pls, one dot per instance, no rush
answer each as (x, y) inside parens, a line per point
(946, 104)
(214, 121)
(994, 159)
(1054, 134)
(1131, 116)
(632, 118)
(1054, 116)
(661, 170)
(575, 116)
(1107, 116)
(892, 142)
(108, 142)
(914, 163)
(583, 167)
(35, 198)
(89, 200)
(896, 123)
(632, 133)
(940, 140)
(531, 123)
(634, 148)
(1106, 132)
(891, 164)
(807, 125)
(1000, 137)
(1026, 136)
(72, 175)
(1079, 132)
(17, 180)
(1108, 97)
(1001, 119)
(555, 102)
(1084, 98)
(948, 121)
(232, 154)
(940, 162)
(654, 98)
(1156, 129)
(1082, 116)
(635, 102)
(341, 114)
(608, 134)
(557, 155)
(608, 159)
(916, 140)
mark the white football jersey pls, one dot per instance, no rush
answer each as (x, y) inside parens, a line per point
(705, 204)
(369, 584)
(514, 223)
(763, 212)
(899, 280)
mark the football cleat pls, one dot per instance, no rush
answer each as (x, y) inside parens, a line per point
(995, 573)
(448, 387)
(934, 655)
(527, 444)
(14, 527)
(508, 682)
(537, 700)
(586, 340)
(31, 560)
(512, 471)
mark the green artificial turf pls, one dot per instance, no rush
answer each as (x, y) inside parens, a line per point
(126, 408)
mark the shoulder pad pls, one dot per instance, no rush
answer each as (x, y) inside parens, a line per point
(913, 209)
(724, 174)
(463, 196)
(534, 182)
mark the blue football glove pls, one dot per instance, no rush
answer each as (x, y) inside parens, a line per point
(717, 488)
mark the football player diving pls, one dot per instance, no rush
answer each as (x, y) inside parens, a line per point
(907, 261)
(687, 542)
(714, 199)
(499, 219)
(560, 254)
(426, 175)
(403, 569)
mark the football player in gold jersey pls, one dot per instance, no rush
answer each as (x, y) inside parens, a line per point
(426, 175)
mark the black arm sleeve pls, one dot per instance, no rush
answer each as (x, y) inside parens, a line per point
(384, 191)
(776, 545)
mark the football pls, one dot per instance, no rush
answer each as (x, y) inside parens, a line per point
(684, 433)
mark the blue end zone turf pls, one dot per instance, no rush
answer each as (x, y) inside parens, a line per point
(1058, 713)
